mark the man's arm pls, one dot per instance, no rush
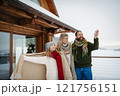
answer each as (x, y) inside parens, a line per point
(95, 45)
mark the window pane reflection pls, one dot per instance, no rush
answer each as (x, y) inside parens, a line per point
(22, 45)
(4, 56)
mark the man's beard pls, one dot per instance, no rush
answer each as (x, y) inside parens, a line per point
(80, 39)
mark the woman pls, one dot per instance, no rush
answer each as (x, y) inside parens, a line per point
(66, 47)
(56, 70)
(51, 52)
(64, 72)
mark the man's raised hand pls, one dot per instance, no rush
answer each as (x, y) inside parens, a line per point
(96, 34)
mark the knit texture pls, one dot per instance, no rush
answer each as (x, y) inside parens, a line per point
(68, 49)
(82, 44)
(81, 62)
(58, 59)
(47, 45)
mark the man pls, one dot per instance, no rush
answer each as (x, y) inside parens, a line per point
(82, 49)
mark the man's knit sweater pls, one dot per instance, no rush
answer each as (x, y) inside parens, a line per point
(81, 62)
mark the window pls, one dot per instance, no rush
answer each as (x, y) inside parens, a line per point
(4, 56)
(22, 45)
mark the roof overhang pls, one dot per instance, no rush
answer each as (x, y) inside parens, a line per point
(33, 8)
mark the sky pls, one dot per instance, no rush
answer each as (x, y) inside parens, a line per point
(90, 15)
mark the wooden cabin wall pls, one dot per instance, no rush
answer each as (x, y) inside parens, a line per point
(45, 40)
(39, 43)
(51, 35)
(49, 5)
(17, 21)
(41, 40)
(11, 52)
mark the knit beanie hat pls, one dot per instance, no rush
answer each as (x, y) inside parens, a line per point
(47, 45)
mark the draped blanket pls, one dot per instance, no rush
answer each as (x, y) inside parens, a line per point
(39, 67)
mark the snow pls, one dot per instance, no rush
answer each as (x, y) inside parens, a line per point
(42, 10)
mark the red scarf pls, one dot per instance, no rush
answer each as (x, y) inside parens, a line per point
(58, 59)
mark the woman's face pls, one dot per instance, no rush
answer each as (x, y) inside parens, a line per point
(52, 47)
(65, 40)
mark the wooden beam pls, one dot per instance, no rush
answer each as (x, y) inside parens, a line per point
(43, 42)
(44, 4)
(105, 57)
(30, 10)
(45, 39)
(11, 52)
(39, 44)
(48, 37)
(18, 13)
(53, 25)
(49, 5)
(51, 35)
(52, 7)
(38, 21)
(44, 23)
(8, 18)
(4, 26)
(26, 22)
(5, 4)
(14, 12)
(33, 20)
(34, 26)
(63, 32)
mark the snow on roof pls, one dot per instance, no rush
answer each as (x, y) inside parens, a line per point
(42, 10)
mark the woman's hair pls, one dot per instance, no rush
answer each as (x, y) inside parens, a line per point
(48, 52)
(62, 36)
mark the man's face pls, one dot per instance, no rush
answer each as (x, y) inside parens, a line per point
(80, 36)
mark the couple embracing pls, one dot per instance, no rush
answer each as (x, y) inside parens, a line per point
(78, 55)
